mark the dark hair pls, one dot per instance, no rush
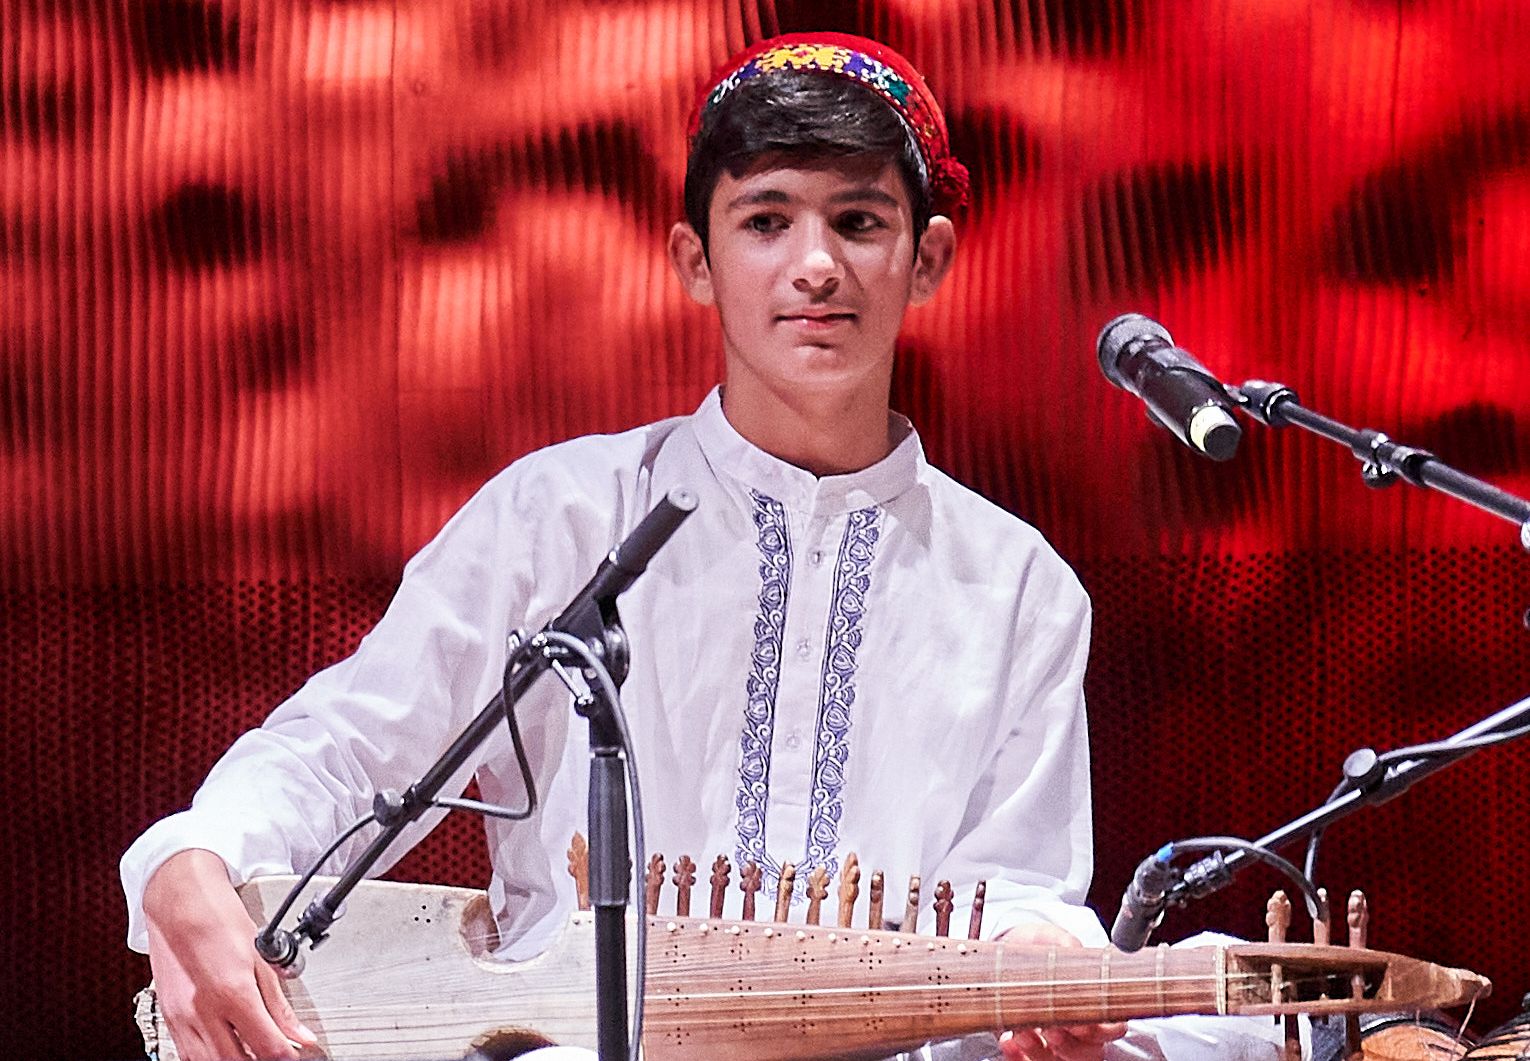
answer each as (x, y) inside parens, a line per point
(800, 116)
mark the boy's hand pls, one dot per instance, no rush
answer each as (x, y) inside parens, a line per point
(1070, 1042)
(218, 998)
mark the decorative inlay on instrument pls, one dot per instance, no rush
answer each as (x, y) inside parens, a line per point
(409, 974)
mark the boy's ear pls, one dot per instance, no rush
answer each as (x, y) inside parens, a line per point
(937, 250)
(689, 259)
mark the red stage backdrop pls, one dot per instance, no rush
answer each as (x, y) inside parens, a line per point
(283, 282)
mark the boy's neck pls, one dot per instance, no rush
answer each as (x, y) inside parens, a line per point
(825, 434)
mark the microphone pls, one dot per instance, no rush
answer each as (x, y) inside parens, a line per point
(1142, 905)
(627, 561)
(591, 615)
(1138, 355)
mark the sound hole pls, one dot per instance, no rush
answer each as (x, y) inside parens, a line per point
(505, 1044)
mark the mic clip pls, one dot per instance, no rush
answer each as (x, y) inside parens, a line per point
(280, 950)
(1201, 878)
(1263, 400)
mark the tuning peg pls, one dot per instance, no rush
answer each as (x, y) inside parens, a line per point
(1359, 921)
(1322, 928)
(784, 886)
(579, 868)
(1277, 917)
(721, 870)
(911, 911)
(685, 879)
(750, 879)
(653, 883)
(943, 904)
(1277, 920)
(818, 891)
(849, 889)
(975, 926)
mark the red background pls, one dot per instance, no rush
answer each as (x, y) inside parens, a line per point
(282, 282)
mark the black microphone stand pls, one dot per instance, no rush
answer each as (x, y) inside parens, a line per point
(588, 630)
(1374, 783)
(1382, 460)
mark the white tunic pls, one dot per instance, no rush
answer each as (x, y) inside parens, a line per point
(881, 663)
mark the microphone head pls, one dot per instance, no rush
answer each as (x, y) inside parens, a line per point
(1143, 903)
(1122, 332)
(1213, 431)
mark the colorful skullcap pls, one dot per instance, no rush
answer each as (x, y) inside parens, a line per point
(866, 62)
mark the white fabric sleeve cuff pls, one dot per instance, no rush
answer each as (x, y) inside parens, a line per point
(166, 837)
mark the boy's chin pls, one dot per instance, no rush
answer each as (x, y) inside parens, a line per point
(813, 367)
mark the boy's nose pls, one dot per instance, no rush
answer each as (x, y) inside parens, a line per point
(818, 272)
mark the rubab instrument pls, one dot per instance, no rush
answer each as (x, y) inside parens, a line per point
(412, 975)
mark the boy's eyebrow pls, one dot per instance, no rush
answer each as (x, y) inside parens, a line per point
(773, 196)
(865, 195)
(776, 197)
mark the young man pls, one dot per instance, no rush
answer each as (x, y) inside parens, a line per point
(842, 650)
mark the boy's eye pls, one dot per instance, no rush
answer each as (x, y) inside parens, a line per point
(765, 223)
(858, 222)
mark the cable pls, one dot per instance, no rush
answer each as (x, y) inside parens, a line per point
(477, 806)
(522, 648)
(1309, 864)
(269, 932)
(1447, 749)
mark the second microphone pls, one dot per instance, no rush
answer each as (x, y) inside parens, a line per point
(1138, 355)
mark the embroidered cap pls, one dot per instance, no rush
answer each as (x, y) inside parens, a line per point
(866, 62)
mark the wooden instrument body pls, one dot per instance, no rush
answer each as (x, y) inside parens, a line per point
(1412, 1042)
(407, 973)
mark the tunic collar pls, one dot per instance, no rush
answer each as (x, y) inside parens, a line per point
(731, 454)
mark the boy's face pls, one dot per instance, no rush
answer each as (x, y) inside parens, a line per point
(811, 269)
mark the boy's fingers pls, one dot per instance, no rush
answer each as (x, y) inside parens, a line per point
(270, 984)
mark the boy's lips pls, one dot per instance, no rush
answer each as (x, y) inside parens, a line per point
(817, 318)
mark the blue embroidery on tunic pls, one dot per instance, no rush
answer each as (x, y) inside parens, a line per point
(837, 685)
(836, 695)
(764, 679)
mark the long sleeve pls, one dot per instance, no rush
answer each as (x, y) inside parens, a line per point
(376, 720)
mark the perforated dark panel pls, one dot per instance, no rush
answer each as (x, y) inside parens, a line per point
(117, 702)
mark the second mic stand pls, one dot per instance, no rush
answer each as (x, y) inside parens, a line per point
(396, 812)
(1373, 787)
(1382, 460)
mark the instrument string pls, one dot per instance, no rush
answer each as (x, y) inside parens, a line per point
(439, 1025)
(708, 982)
(716, 954)
(785, 977)
(1466, 1020)
(790, 972)
(339, 1013)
